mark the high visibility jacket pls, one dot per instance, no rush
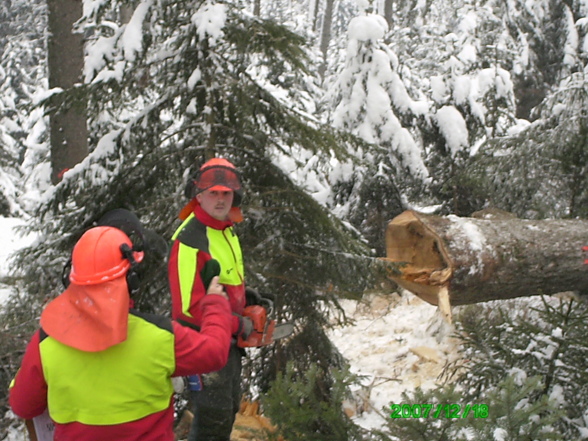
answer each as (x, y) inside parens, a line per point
(199, 239)
(125, 391)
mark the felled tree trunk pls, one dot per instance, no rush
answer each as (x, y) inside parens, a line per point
(451, 260)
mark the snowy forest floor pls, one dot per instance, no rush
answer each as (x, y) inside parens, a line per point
(397, 343)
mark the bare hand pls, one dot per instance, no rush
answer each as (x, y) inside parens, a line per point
(216, 288)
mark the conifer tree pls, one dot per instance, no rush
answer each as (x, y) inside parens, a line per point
(544, 166)
(308, 405)
(371, 102)
(546, 341)
(21, 74)
(523, 377)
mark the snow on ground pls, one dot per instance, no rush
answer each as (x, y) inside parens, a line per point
(397, 343)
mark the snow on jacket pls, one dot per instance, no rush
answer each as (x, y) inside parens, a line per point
(199, 239)
(124, 392)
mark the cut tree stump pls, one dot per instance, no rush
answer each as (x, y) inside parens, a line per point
(451, 260)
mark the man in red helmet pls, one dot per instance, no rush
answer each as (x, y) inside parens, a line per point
(104, 371)
(207, 234)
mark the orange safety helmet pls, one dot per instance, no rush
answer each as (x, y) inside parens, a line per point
(92, 313)
(216, 174)
(100, 255)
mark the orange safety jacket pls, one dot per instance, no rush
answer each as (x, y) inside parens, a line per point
(199, 239)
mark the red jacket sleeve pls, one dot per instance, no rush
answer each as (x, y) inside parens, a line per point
(207, 350)
(28, 391)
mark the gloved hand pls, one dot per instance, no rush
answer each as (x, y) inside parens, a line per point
(211, 269)
(245, 327)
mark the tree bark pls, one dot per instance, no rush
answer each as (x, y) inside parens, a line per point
(388, 11)
(65, 60)
(326, 36)
(471, 260)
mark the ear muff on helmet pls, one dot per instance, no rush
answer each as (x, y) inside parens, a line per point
(190, 191)
(133, 280)
(65, 273)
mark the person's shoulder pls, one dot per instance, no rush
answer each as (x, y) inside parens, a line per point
(194, 235)
(158, 320)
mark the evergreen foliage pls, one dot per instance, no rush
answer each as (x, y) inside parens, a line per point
(527, 366)
(423, 429)
(307, 405)
(547, 341)
(555, 183)
(510, 411)
(21, 76)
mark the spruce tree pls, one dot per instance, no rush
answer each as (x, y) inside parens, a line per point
(540, 172)
(21, 73)
(545, 341)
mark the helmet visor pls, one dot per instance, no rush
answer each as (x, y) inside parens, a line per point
(218, 177)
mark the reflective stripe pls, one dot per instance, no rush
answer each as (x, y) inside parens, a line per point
(181, 227)
(123, 383)
(224, 247)
(187, 261)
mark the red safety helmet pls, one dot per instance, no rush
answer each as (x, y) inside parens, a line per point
(98, 256)
(217, 174)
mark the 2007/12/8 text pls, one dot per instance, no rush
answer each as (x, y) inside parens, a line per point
(439, 410)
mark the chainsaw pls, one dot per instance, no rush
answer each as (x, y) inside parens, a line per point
(265, 330)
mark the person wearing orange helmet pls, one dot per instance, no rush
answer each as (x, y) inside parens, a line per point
(103, 370)
(207, 234)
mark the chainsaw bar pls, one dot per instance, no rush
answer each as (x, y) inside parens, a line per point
(282, 330)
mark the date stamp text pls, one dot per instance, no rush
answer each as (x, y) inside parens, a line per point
(439, 410)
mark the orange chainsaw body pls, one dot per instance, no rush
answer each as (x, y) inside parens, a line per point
(263, 329)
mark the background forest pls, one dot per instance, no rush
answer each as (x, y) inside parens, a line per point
(340, 115)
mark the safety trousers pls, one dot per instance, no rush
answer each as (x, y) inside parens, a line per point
(216, 405)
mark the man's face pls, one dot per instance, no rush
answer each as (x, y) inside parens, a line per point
(216, 203)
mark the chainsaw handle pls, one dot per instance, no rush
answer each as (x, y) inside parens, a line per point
(268, 305)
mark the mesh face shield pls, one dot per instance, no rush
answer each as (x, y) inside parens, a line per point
(218, 177)
(215, 177)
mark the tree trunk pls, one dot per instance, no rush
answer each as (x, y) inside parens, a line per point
(315, 14)
(388, 11)
(326, 36)
(469, 260)
(65, 59)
